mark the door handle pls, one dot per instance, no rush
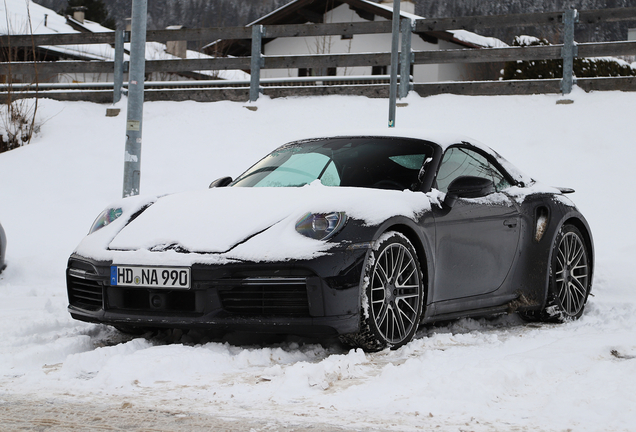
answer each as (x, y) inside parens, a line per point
(510, 223)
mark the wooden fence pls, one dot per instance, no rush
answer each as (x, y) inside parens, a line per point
(484, 55)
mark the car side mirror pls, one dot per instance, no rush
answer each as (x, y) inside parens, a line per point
(221, 182)
(468, 187)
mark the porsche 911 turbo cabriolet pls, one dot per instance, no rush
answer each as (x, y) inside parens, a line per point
(361, 236)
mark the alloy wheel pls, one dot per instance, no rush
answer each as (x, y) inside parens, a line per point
(571, 273)
(395, 293)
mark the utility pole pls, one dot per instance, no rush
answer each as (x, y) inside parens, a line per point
(395, 42)
(132, 157)
(118, 77)
(569, 50)
(257, 62)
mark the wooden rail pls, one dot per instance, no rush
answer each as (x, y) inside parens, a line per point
(331, 29)
(475, 88)
(430, 26)
(484, 55)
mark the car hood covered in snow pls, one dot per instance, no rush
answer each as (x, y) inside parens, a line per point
(239, 223)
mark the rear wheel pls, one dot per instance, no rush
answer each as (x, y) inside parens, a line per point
(570, 278)
(393, 296)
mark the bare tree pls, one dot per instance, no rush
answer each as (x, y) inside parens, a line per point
(18, 113)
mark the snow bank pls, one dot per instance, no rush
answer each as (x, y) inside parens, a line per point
(480, 375)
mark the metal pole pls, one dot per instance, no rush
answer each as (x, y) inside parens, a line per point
(118, 79)
(395, 42)
(569, 50)
(132, 159)
(405, 58)
(256, 62)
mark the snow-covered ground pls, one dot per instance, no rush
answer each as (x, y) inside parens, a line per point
(472, 375)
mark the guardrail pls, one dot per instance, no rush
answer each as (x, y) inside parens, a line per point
(266, 82)
(208, 90)
(566, 51)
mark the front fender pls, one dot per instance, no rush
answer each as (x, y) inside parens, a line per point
(421, 234)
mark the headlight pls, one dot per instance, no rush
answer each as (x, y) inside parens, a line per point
(321, 226)
(106, 217)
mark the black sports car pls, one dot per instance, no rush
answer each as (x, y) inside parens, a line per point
(361, 236)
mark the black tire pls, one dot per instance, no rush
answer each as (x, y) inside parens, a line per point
(392, 296)
(570, 278)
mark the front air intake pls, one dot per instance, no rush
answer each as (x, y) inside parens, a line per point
(265, 297)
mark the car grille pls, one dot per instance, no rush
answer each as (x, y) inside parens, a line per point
(85, 293)
(265, 296)
(247, 293)
(142, 299)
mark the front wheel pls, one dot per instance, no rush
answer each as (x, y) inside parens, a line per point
(392, 297)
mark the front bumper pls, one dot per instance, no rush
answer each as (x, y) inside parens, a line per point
(317, 296)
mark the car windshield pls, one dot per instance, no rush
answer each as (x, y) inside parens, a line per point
(385, 163)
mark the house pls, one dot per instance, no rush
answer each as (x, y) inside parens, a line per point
(337, 11)
(27, 17)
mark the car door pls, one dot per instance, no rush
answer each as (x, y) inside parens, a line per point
(476, 239)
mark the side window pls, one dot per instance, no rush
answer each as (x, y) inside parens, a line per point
(459, 162)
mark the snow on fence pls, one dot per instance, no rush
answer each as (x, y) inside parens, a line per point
(318, 86)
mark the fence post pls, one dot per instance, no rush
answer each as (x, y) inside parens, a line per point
(569, 50)
(256, 62)
(405, 58)
(132, 155)
(395, 42)
(118, 79)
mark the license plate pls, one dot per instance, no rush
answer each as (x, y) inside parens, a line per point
(150, 277)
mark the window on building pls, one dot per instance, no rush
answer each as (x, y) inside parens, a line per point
(379, 70)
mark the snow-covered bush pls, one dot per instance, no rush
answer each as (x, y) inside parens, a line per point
(543, 69)
(17, 123)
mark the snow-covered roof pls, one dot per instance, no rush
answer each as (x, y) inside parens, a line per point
(462, 37)
(296, 3)
(27, 17)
